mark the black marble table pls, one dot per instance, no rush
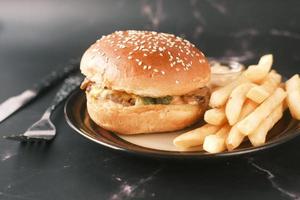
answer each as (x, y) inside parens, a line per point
(37, 37)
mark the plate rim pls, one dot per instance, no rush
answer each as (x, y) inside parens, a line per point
(176, 154)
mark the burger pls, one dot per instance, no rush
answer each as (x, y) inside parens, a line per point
(144, 82)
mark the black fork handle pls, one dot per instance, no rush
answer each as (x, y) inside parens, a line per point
(54, 77)
(68, 86)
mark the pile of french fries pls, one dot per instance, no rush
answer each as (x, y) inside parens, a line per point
(246, 108)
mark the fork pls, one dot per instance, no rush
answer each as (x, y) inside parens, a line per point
(44, 129)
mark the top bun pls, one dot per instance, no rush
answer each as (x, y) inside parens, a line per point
(146, 63)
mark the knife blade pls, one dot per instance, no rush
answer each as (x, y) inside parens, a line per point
(12, 104)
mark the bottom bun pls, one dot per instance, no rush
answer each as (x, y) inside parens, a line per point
(142, 119)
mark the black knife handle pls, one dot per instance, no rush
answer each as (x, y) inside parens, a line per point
(68, 86)
(56, 76)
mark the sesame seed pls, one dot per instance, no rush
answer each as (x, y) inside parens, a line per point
(121, 46)
(152, 42)
(177, 82)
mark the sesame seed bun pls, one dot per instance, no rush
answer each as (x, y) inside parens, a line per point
(146, 64)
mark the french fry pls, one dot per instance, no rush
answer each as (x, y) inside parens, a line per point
(293, 96)
(258, 137)
(259, 93)
(235, 137)
(216, 143)
(256, 73)
(235, 102)
(195, 137)
(252, 121)
(219, 97)
(215, 116)
(248, 107)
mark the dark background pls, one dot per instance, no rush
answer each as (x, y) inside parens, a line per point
(37, 37)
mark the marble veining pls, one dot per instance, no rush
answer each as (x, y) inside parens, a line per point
(246, 33)
(197, 15)
(7, 155)
(218, 6)
(154, 14)
(105, 160)
(285, 33)
(251, 32)
(15, 196)
(128, 190)
(272, 179)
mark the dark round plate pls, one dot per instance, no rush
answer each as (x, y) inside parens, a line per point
(77, 117)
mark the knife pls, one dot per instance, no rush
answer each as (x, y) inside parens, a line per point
(12, 104)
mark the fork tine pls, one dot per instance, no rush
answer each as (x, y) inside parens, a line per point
(23, 138)
(16, 137)
(44, 129)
